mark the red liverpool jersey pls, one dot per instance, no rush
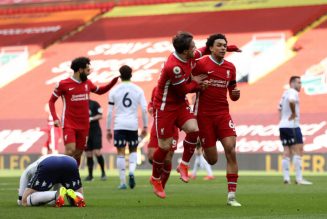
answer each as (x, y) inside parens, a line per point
(75, 97)
(222, 76)
(175, 74)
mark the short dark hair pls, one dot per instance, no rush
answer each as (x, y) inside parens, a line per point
(182, 41)
(80, 62)
(211, 39)
(125, 72)
(293, 78)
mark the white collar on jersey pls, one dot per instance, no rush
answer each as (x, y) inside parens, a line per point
(75, 80)
(214, 60)
(179, 58)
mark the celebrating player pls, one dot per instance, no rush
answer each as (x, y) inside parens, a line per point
(75, 95)
(171, 108)
(153, 145)
(212, 110)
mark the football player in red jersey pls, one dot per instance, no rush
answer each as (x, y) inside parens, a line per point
(75, 92)
(171, 109)
(153, 145)
(212, 109)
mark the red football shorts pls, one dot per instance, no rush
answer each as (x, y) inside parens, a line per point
(167, 121)
(79, 136)
(213, 128)
(153, 142)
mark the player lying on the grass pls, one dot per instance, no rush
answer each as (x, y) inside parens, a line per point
(42, 175)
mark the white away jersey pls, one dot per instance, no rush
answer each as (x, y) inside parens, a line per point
(284, 105)
(125, 99)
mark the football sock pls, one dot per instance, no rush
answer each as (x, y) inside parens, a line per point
(165, 173)
(232, 181)
(41, 198)
(101, 163)
(297, 162)
(121, 168)
(189, 144)
(90, 162)
(197, 163)
(207, 166)
(158, 162)
(286, 168)
(132, 162)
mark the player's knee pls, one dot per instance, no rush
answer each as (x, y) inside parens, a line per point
(230, 149)
(69, 152)
(167, 161)
(97, 153)
(165, 144)
(169, 157)
(132, 149)
(212, 160)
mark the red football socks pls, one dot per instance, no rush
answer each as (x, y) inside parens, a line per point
(189, 144)
(165, 174)
(232, 182)
(158, 162)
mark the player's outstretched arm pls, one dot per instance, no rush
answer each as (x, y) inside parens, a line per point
(106, 88)
(233, 48)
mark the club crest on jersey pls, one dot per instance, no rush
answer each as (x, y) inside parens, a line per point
(86, 88)
(228, 73)
(177, 70)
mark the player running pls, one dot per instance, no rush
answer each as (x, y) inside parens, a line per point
(171, 109)
(212, 109)
(153, 145)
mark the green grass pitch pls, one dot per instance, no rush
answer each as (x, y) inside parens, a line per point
(262, 196)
